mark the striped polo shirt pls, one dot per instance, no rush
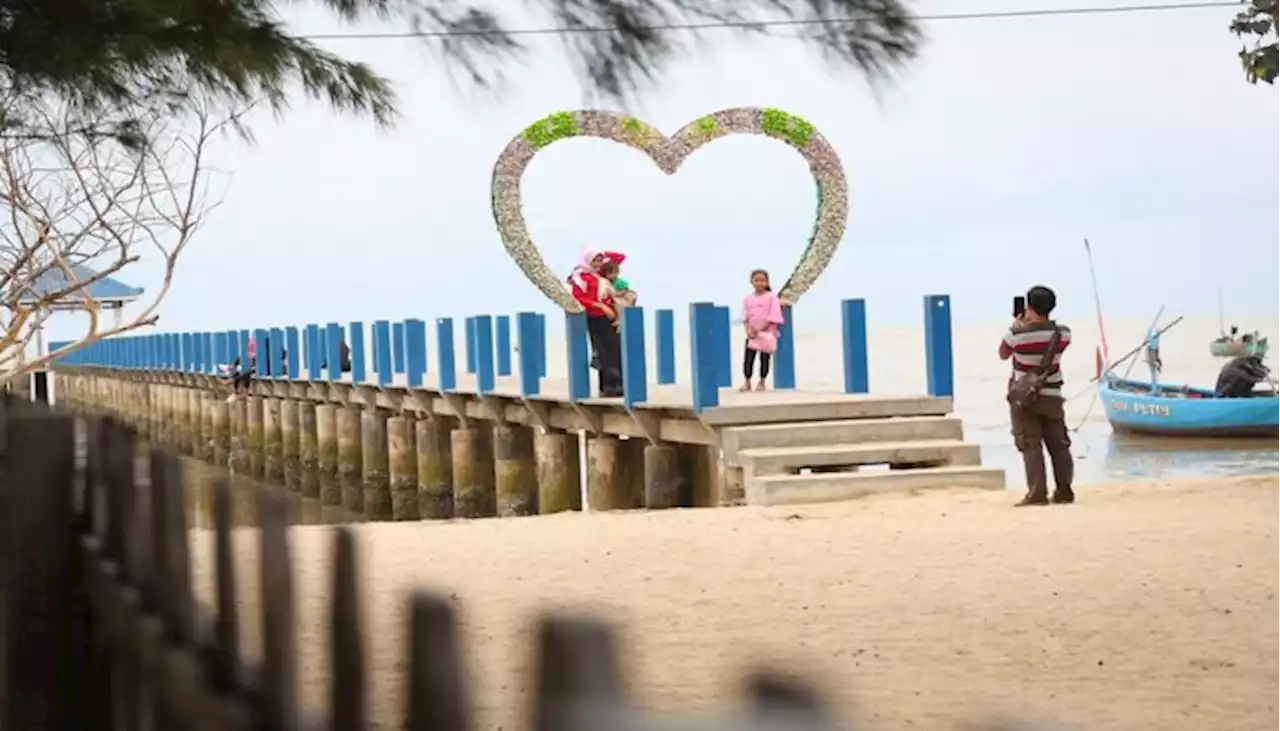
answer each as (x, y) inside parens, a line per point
(1028, 344)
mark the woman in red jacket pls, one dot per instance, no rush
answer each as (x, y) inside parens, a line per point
(602, 317)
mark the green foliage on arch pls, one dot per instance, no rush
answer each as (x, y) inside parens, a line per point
(554, 126)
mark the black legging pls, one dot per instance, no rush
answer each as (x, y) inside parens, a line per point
(749, 363)
(608, 348)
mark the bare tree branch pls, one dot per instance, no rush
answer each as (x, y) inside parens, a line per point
(81, 207)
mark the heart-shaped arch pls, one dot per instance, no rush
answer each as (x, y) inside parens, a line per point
(669, 153)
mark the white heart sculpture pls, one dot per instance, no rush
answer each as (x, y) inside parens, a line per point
(668, 153)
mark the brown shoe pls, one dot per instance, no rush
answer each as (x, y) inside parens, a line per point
(1031, 500)
(1063, 497)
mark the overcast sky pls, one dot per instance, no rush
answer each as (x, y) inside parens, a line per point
(977, 174)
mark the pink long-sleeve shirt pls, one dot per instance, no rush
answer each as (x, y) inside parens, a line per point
(762, 314)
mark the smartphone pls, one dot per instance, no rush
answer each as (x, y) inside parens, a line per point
(1019, 305)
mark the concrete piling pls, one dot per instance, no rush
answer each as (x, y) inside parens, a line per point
(608, 484)
(375, 469)
(239, 436)
(327, 454)
(471, 448)
(556, 454)
(290, 468)
(221, 411)
(309, 480)
(272, 443)
(349, 458)
(254, 408)
(195, 423)
(207, 437)
(402, 467)
(181, 428)
(662, 478)
(515, 471)
(435, 467)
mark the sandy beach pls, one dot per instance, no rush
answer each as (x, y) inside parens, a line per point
(1145, 605)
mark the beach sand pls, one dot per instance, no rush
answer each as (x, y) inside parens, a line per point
(1145, 605)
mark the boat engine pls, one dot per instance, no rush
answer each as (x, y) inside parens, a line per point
(1238, 377)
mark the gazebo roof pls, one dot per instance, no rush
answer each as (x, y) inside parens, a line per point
(106, 291)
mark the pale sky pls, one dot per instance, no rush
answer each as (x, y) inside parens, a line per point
(977, 175)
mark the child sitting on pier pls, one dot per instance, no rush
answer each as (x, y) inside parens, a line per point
(761, 317)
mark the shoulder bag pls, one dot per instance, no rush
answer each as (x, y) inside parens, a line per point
(1024, 391)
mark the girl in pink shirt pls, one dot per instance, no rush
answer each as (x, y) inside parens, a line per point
(761, 317)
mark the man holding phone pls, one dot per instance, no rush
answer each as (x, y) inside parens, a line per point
(1035, 344)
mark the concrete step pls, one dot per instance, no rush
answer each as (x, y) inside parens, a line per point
(923, 452)
(835, 486)
(735, 439)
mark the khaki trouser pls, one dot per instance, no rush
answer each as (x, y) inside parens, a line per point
(1043, 423)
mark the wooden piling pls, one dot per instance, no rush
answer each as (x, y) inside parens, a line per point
(471, 448)
(254, 409)
(349, 457)
(327, 454)
(307, 449)
(221, 411)
(402, 467)
(291, 470)
(373, 448)
(515, 471)
(608, 484)
(435, 467)
(662, 478)
(558, 471)
(273, 467)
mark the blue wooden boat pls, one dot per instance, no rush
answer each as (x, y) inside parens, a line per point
(1162, 409)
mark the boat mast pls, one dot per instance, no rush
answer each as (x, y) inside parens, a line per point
(1097, 304)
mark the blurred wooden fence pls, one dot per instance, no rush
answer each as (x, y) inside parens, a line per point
(99, 628)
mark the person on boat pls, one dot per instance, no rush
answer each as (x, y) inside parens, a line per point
(1041, 424)
(1154, 363)
(602, 318)
(1238, 377)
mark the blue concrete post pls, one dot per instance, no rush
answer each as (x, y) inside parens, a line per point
(382, 362)
(470, 325)
(939, 368)
(277, 352)
(705, 377)
(210, 366)
(448, 360)
(260, 367)
(723, 347)
(784, 360)
(355, 336)
(577, 355)
(415, 347)
(542, 345)
(527, 328)
(483, 330)
(333, 339)
(397, 347)
(219, 350)
(853, 327)
(635, 374)
(503, 346)
(242, 349)
(292, 361)
(665, 345)
(315, 353)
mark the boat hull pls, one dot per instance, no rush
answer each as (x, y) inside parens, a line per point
(1179, 411)
(1224, 349)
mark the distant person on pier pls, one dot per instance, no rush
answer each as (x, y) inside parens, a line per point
(1036, 407)
(761, 318)
(602, 317)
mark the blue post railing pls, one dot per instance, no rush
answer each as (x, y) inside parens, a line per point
(277, 352)
(355, 336)
(444, 349)
(470, 325)
(502, 348)
(397, 347)
(315, 353)
(333, 340)
(938, 358)
(292, 356)
(723, 347)
(527, 330)
(705, 378)
(664, 335)
(382, 352)
(853, 327)
(484, 354)
(635, 374)
(784, 359)
(577, 356)
(415, 351)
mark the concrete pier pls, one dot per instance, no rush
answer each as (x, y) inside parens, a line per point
(473, 488)
(181, 427)
(558, 471)
(327, 454)
(662, 478)
(221, 427)
(273, 466)
(206, 427)
(239, 436)
(349, 458)
(374, 468)
(435, 467)
(609, 486)
(195, 423)
(307, 450)
(289, 445)
(255, 406)
(515, 471)
(402, 467)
